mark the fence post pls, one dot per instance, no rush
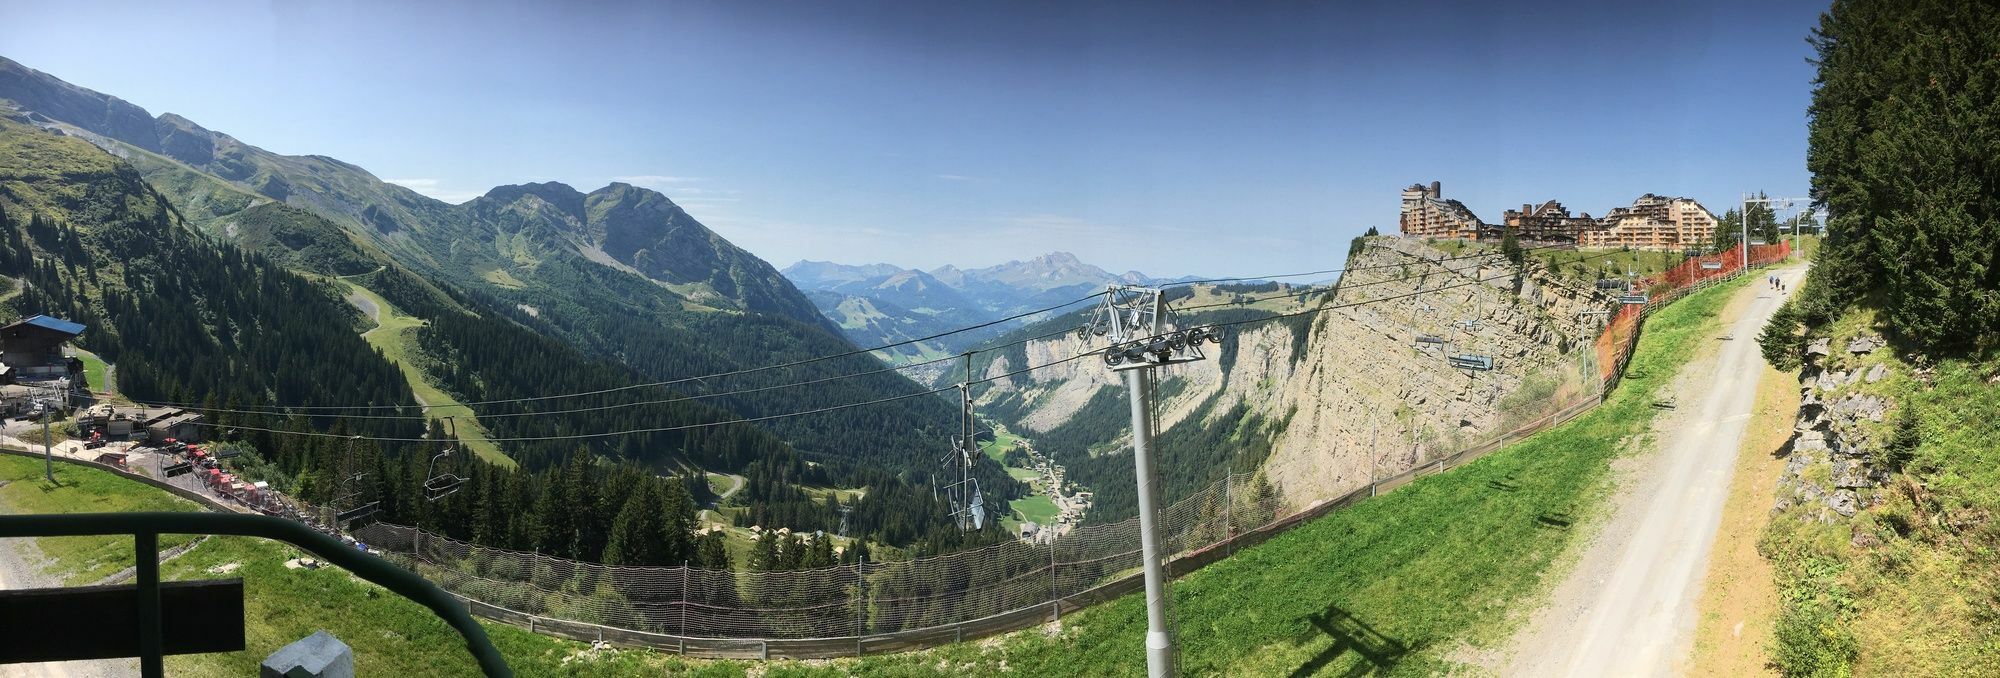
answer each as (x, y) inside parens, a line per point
(1228, 527)
(684, 602)
(860, 602)
(1054, 583)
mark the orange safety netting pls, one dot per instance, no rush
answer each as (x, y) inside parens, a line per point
(1616, 340)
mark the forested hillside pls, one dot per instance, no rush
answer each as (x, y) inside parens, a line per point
(620, 274)
(191, 320)
(1885, 542)
(539, 289)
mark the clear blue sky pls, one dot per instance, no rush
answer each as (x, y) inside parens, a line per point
(1229, 138)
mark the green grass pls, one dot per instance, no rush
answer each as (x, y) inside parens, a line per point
(1035, 508)
(719, 483)
(1921, 600)
(997, 448)
(390, 635)
(395, 336)
(1592, 264)
(1453, 557)
(846, 494)
(82, 489)
(1450, 557)
(94, 369)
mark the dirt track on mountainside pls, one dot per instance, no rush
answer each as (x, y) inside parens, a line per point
(1628, 606)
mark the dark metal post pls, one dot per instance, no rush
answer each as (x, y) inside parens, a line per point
(48, 453)
(860, 602)
(146, 559)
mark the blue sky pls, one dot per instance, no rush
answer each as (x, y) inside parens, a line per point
(1224, 138)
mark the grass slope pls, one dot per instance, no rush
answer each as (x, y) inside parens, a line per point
(389, 634)
(82, 560)
(1606, 263)
(1909, 586)
(394, 337)
(94, 370)
(1391, 585)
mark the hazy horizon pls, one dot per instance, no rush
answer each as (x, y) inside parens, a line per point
(1238, 140)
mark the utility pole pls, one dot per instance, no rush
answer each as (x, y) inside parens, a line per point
(1743, 242)
(1374, 456)
(1778, 202)
(1133, 319)
(48, 451)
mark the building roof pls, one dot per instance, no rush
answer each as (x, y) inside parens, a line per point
(175, 420)
(50, 323)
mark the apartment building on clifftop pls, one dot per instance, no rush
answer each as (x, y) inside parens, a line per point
(1427, 214)
(1548, 222)
(1654, 222)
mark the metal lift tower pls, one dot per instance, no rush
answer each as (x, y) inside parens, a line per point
(1134, 320)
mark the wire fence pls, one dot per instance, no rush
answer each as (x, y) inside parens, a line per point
(865, 608)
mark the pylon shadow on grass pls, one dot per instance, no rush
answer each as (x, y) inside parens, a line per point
(1378, 652)
(1555, 520)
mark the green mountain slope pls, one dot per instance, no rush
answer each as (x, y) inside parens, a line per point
(620, 273)
(583, 291)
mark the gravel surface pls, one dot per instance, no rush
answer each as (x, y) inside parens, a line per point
(1627, 608)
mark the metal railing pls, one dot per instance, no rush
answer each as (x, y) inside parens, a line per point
(147, 527)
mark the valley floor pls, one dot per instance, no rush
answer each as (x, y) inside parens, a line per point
(1628, 606)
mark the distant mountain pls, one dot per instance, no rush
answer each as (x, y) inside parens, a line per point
(823, 275)
(213, 176)
(878, 304)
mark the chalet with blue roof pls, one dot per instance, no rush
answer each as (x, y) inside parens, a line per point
(31, 349)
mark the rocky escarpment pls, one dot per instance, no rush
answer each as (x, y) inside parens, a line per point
(1835, 462)
(1359, 397)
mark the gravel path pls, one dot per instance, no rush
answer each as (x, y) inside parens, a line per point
(21, 567)
(366, 305)
(1628, 606)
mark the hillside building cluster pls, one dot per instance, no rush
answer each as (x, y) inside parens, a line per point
(1653, 222)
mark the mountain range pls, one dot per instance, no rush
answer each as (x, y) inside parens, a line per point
(587, 290)
(879, 304)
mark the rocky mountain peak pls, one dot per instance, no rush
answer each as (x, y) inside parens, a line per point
(564, 198)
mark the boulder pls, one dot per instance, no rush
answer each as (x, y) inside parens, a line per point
(1820, 346)
(1876, 373)
(1864, 344)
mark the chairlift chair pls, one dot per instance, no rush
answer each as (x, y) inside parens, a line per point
(1470, 361)
(440, 485)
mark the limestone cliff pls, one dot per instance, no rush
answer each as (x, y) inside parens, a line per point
(1356, 394)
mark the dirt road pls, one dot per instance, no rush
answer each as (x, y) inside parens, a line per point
(20, 568)
(1628, 607)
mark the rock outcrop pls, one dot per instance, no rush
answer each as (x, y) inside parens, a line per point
(1834, 463)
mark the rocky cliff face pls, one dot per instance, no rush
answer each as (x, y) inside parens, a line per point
(1834, 463)
(1360, 396)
